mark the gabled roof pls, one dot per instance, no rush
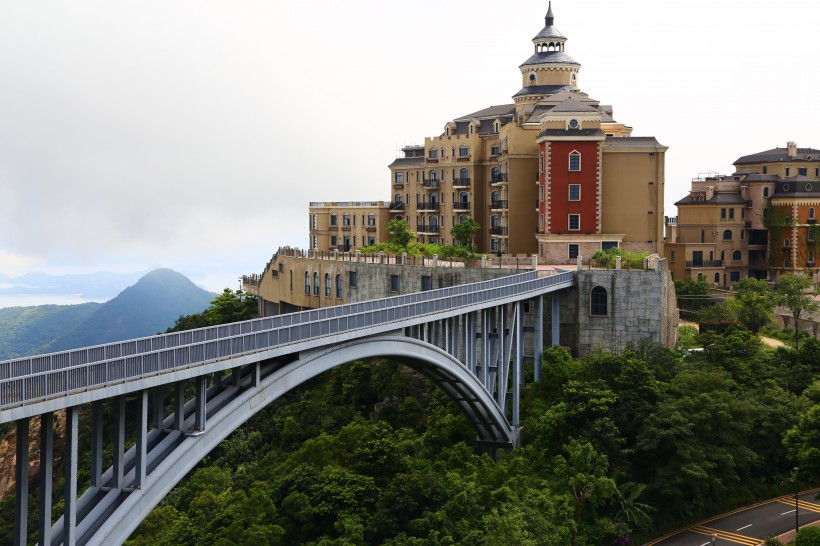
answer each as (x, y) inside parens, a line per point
(571, 105)
(490, 112)
(406, 162)
(779, 154)
(717, 198)
(572, 132)
(544, 89)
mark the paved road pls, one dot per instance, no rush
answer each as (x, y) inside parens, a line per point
(750, 525)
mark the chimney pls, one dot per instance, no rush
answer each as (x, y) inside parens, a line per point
(792, 147)
(710, 192)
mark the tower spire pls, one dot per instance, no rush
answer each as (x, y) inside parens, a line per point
(550, 18)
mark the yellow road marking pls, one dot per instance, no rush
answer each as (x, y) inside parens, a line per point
(726, 535)
(805, 505)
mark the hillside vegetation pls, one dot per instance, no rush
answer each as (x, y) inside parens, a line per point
(25, 330)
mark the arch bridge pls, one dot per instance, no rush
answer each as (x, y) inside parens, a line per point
(471, 340)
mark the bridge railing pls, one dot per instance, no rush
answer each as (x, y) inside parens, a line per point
(37, 378)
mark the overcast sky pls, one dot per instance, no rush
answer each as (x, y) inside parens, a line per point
(193, 134)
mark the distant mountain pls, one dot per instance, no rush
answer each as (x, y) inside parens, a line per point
(100, 286)
(148, 307)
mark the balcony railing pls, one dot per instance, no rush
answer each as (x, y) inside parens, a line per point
(497, 205)
(397, 184)
(499, 178)
(748, 203)
(427, 205)
(705, 263)
(461, 182)
(426, 228)
(396, 206)
(430, 183)
(498, 230)
(811, 221)
(461, 205)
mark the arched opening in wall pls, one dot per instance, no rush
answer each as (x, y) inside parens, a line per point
(495, 174)
(701, 277)
(316, 284)
(464, 176)
(717, 278)
(339, 286)
(327, 285)
(765, 192)
(736, 256)
(307, 283)
(727, 235)
(574, 161)
(598, 302)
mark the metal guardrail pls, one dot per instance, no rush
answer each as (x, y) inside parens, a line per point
(41, 377)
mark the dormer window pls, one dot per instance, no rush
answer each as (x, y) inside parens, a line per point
(574, 161)
(532, 77)
(573, 124)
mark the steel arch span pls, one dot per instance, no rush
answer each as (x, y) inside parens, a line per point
(442, 368)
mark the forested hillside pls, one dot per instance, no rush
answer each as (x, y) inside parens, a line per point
(616, 448)
(24, 330)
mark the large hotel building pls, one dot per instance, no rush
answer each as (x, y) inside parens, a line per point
(552, 173)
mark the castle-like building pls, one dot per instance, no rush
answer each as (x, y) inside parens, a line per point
(552, 173)
(759, 222)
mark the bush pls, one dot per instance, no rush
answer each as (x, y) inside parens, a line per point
(629, 259)
(808, 536)
(772, 541)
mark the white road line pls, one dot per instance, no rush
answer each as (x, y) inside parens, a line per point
(789, 512)
(746, 527)
(706, 544)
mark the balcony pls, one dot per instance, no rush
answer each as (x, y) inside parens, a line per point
(429, 183)
(704, 263)
(461, 183)
(498, 205)
(499, 179)
(396, 206)
(398, 185)
(810, 264)
(811, 221)
(427, 205)
(498, 230)
(461, 205)
(749, 203)
(426, 228)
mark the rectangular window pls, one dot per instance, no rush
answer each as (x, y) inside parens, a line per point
(672, 256)
(334, 240)
(353, 277)
(495, 150)
(575, 192)
(346, 220)
(574, 222)
(371, 220)
(333, 220)
(803, 171)
(734, 276)
(731, 213)
(394, 283)
(463, 152)
(371, 240)
(573, 251)
(765, 170)
(787, 171)
(575, 161)
(432, 154)
(399, 178)
(426, 283)
(722, 214)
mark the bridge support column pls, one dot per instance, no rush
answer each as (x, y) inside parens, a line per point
(256, 374)
(46, 469)
(157, 406)
(538, 348)
(21, 484)
(200, 410)
(142, 439)
(485, 348)
(96, 443)
(179, 405)
(556, 319)
(470, 346)
(70, 489)
(518, 362)
(236, 375)
(119, 443)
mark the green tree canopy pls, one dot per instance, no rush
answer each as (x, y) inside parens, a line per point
(399, 234)
(465, 231)
(753, 303)
(796, 293)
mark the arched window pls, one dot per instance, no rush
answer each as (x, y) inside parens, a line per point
(787, 220)
(464, 176)
(574, 161)
(494, 221)
(307, 283)
(765, 192)
(787, 263)
(327, 285)
(433, 175)
(339, 286)
(315, 284)
(701, 277)
(495, 175)
(727, 235)
(315, 242)
(717, 278)
(462, 218)
(736, 256)
(786, 243)
(597, 301)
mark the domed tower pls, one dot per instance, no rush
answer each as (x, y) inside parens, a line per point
(550, 69)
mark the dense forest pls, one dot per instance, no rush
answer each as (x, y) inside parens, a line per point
(616, 449)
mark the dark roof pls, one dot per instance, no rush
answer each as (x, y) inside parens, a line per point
(571, 132)
(633, 142)
(548, 57)
(571, 106)
(544, 89)
(798, 186)
(402, 161)
(549, 32)
(717, 198)
(779, 154)
(756, 177)
(490, 112)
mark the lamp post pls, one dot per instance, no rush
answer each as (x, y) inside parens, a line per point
(796, 491)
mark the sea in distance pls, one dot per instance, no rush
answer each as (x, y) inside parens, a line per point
(28, 300)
